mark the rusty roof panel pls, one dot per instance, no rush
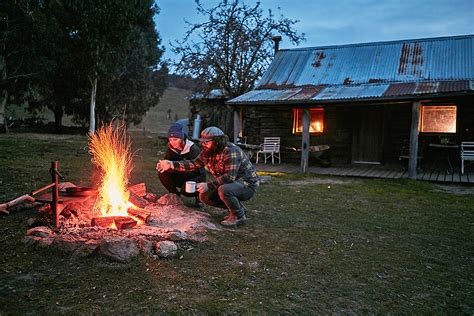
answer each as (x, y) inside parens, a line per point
(368, 70)
(426, 87)
(352, 92)
(402, 89)
(266, 95)
(455, 85)
(446, 58)
(306, 93)
(399, 89)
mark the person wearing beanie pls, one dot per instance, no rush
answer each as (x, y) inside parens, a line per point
(235, 178)
(181, 148)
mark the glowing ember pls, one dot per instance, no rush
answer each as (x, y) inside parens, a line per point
(110, 150)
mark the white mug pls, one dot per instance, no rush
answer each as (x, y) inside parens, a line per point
(190, 186)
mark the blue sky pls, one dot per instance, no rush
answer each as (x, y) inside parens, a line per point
(340, 21)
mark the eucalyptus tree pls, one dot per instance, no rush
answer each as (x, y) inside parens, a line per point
(233, 47)
(116, 48)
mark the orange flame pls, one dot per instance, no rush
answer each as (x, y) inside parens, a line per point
(111, 152)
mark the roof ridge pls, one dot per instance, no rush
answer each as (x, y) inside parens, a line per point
(428, 39)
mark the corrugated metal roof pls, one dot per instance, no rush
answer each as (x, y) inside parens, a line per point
(354, 92)
(369, 70)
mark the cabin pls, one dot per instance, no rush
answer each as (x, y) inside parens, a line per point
(372, 103)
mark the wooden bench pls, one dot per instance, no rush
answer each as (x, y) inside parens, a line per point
(467, 153)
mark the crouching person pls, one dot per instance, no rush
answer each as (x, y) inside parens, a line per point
(181, 148)
(235, 179)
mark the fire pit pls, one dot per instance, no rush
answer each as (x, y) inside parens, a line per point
(115, 220)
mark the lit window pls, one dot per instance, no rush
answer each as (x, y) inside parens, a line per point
(316, 122)
(438, 119)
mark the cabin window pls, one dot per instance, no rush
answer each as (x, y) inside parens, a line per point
(316, 121)
(438, 119)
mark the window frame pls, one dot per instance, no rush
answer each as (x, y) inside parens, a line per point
(299, 111)
(424, 109)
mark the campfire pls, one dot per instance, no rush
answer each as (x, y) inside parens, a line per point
(116, 219)
(111, 153)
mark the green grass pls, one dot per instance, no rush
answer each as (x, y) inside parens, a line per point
(361, 246)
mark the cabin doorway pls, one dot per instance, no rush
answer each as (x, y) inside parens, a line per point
(368, 135)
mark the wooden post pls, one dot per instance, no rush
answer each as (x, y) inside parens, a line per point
(237, 124)
(413, 156)
(305, 142)
(55, 193)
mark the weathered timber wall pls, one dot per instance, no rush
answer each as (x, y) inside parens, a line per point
(260, 121)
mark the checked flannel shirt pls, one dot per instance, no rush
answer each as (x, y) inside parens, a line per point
(227, 166)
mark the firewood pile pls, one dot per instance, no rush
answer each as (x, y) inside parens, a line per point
(155, 226)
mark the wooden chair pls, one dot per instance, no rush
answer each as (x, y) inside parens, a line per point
(270, 148)
(467, 153)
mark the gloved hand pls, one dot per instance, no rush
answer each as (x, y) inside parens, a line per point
(163, 165)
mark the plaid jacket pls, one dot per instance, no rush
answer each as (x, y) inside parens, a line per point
(227, 166)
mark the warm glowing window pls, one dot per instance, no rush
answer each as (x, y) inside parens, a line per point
(316, 120)
(438, 119)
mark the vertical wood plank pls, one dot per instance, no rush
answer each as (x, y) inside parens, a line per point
(305, 141)
(237, 124)
(412, 161)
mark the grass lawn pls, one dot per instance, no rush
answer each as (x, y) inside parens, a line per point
(313, 245)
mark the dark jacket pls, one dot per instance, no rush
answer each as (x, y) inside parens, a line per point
(189, 152)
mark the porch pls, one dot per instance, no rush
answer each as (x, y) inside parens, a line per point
(388, 172)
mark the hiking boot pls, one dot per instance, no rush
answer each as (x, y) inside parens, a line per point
(233, 220)
(244, 209)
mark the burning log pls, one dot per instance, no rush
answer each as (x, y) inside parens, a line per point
(141, 214)
(139, 189)
(123, 222)
(106, 221)
(120, 222)
(136, 200)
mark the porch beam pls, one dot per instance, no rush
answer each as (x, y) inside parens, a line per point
(305, 142)
(237, 124)
(413, 156)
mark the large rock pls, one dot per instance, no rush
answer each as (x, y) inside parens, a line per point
(145, 246)
(40, 231)
(67, 243)
(119, 249)
(166, 249)
(87, 248)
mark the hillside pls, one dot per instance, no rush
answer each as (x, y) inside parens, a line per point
(156, 120)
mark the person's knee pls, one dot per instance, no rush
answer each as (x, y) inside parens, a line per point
(225, 192)
(163, 176)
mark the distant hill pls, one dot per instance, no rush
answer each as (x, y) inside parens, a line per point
(156, 120)
(183, 82)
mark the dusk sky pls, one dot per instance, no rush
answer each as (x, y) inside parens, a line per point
(340, 21)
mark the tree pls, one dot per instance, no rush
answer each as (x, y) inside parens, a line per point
(116, 46)
(15, 57)
(234, 45)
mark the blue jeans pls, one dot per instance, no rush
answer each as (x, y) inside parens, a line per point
(228, 196)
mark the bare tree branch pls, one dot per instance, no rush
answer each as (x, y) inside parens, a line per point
(231, 50)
